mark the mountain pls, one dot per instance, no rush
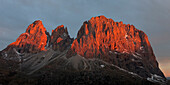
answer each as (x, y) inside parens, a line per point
(117, 43)
(33, 40)
(60, 38)
(104, 52)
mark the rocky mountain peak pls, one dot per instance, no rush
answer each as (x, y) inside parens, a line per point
(36, 26)
(33, 40)
(117, 43)
(59, 27)
(60, 38)
(103, 47)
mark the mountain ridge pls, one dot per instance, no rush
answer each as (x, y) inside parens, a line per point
(116, 43)
(100, 43)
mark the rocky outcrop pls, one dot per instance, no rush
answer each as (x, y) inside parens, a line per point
(32, 41)
(36, 39)
(60, 39)
(101, 43)
(116, 43)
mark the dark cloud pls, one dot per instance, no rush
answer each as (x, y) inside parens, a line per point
(151, 16)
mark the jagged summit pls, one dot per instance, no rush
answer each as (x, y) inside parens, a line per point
(59, 27)
(104, 52)
(35, 26)
(99, 17)
(33, 40)
(60, 39)
(117, 43)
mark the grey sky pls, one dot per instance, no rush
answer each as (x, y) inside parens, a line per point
(151, 16)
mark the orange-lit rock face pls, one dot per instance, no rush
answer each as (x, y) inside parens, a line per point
(33, 40)
(60, 39)
(100, 35)
(115, 43)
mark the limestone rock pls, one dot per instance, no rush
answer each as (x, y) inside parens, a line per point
(32, 41)
(116, 43)
(60, 39)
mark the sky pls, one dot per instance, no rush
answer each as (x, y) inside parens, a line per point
(150, 16)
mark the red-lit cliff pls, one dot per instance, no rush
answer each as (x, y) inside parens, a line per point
(104, 52)
(33, 40)
(36, 39)
(117, 43)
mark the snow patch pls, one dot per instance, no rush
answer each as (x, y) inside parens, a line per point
(141, 48)
(125, 51)
(110, 52)
(115, 52)
(136, 56)
(132, 73)
(102, 66)
(6, 54)
(16, 51)
(156, 78)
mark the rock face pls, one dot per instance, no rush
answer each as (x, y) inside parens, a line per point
(103, 48)
(32, 41)
(116, 43)
(60, 38)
